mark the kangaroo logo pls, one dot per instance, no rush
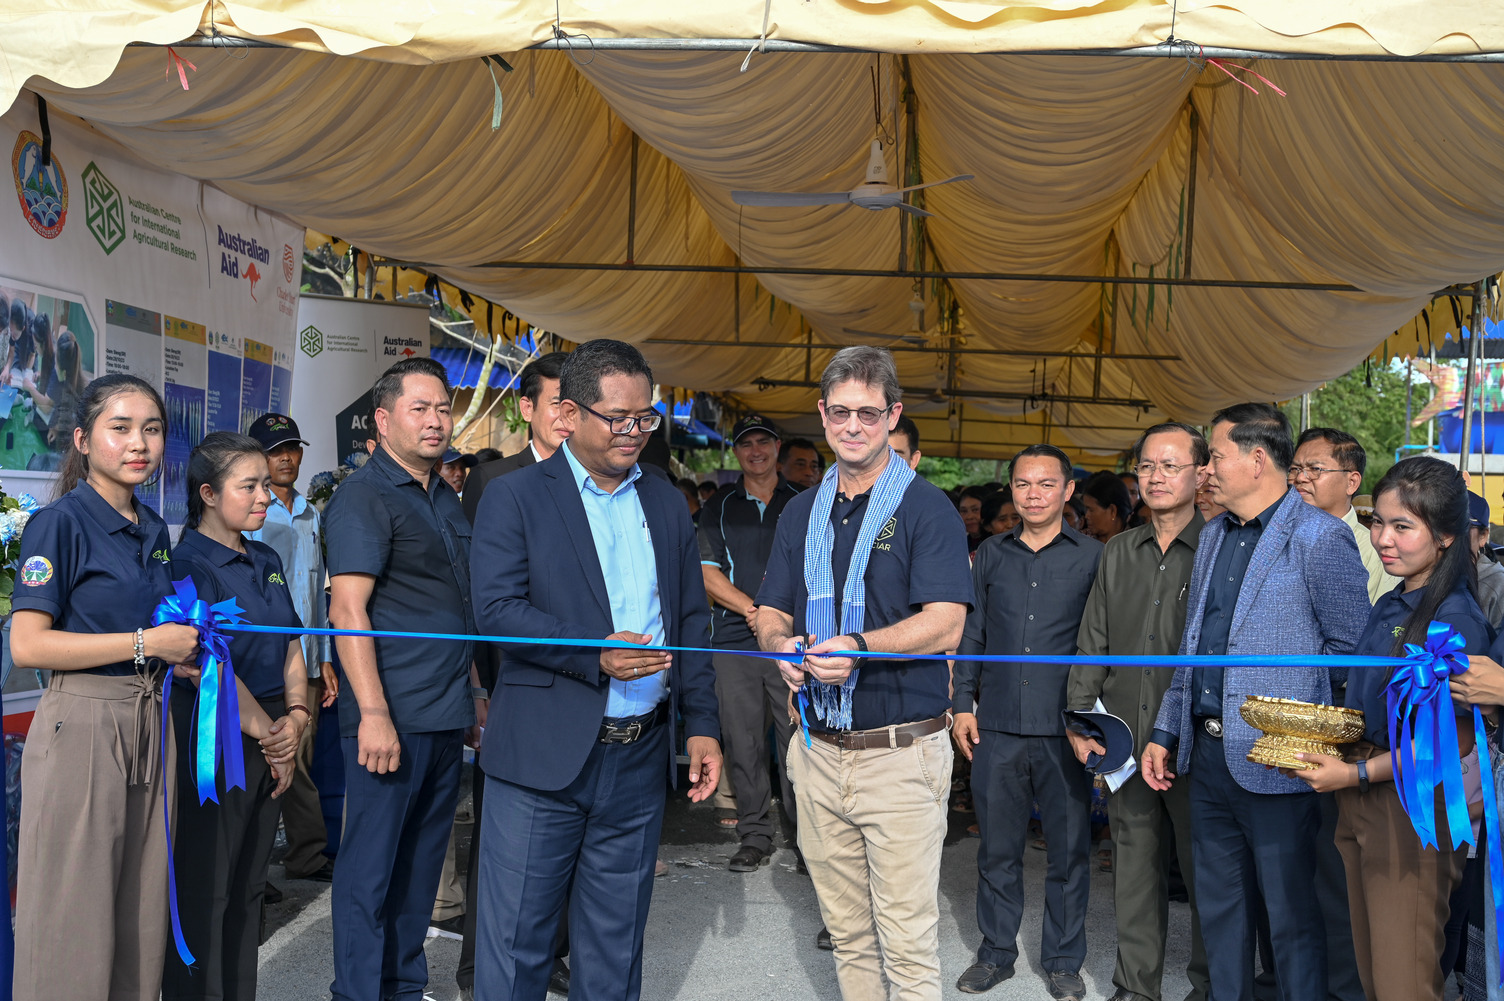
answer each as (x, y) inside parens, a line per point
(253, 276)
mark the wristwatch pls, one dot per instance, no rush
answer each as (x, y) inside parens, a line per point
(480, 693)
(861, 643)
(1362, 776)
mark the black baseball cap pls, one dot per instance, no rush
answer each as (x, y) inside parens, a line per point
(753, 422)
(272, 430)
(1477, 511)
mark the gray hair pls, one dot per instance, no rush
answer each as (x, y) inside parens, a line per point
(864, 364)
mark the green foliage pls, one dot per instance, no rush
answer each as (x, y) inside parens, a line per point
(708, 460)
(1374, 414)
(948, 473)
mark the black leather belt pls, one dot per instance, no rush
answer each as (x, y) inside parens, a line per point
(1212, 725)
(886, 737)
(631, 729)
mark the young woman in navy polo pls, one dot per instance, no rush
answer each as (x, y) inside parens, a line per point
(1398, 890)
(91, 904)
(222, 849)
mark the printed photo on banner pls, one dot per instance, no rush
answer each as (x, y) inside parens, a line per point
(48, 359)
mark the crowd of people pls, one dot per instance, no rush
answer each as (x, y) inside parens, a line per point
(1245, 542)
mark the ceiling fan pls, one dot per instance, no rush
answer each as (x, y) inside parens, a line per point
(875, 193)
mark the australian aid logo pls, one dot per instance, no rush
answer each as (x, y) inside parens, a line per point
(242, 257)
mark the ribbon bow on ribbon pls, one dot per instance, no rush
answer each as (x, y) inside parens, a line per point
(1423, 735)
(1425, 754)
(218, 724)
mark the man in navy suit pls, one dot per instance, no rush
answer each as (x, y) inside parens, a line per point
(1273, 576)
(580, 742)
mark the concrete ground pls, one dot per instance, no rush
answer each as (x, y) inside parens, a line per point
(716, 934)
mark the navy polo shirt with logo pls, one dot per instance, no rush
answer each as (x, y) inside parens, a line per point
(917, 558)
(92, 569)
(416, 543)
(254, 579)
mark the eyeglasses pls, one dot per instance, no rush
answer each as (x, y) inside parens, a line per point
(1147, 469)
(1314, 472)
(867, 415)
(626, 425)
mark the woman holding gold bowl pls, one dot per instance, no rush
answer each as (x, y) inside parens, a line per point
(1398, 890)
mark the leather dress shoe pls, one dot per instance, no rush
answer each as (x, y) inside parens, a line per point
(323, 874)
(822, 940)
(558, 980)
(1067, 986)
(748, 858)
(1123, 994)
(271, 894)
(980, 977)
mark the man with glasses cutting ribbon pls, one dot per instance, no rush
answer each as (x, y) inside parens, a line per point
(580, 741)
(872, 559)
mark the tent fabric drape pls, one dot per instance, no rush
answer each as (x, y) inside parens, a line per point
(1378, 175)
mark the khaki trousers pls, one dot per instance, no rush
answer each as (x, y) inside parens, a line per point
(91, 896)
(871, 824)
(1398, 894)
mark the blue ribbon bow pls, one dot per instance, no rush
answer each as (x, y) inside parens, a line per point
(217, 731)
(1425, 753)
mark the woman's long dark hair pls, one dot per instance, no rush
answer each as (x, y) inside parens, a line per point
(69, 363)
(210, 463)
(1434, 492)
(91, 404)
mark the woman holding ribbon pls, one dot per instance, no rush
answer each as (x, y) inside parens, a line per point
(91, 907)
(1398, 888)
(223, 847)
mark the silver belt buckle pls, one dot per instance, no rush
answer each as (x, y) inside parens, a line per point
(1212, 726)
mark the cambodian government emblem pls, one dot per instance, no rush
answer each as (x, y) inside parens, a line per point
(42, 188)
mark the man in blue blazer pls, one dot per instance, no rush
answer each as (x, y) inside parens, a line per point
(579, 742)
(1273, 576)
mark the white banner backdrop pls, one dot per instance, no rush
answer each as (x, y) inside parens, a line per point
(108, 264)
(343, 347)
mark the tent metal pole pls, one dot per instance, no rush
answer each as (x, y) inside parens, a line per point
(1305, 411)
(1474, 351)
(1001, 276)
(923, 392)
(1174, 50)
(908, 348)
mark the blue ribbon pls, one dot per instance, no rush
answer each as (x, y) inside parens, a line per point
(1425, 753)
(1423, 735)
(217, 737)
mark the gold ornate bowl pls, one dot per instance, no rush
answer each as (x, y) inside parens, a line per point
(1292, 727)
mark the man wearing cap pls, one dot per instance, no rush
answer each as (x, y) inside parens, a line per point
(736, 531)
(1031, 585)
(1327, 472)
(1137, 608)
(292, 529)
(1490, 573)
(455, 467)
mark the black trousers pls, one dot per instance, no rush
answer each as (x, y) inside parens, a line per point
(221, 852)
(752, 692)
(1008, 773)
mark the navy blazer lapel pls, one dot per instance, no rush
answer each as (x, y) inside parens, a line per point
(566, 495)
(662, 533)
(1271, 546)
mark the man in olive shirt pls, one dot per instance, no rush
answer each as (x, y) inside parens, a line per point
(1137, 608)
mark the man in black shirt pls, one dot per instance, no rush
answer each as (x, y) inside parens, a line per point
(872, 771)
(736, 529)
(1031, 585)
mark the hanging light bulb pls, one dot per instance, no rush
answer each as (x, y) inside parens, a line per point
(916, 306)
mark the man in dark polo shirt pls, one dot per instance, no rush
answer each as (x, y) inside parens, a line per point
(872, 558)
(1031, 585)
(1137, 607)
(736, 534)
(399, 559)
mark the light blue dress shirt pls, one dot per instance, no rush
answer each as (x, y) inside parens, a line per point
(294, 534)
(625, 549)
